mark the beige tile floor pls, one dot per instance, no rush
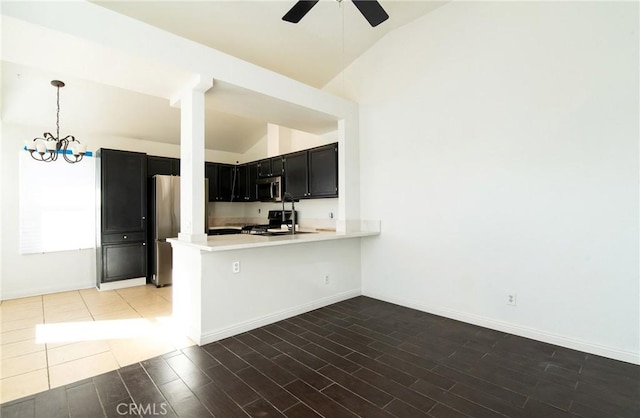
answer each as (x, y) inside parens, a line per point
(52, 340)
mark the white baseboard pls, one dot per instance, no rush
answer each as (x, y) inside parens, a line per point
(585, 346)
(219, 334)
(46, 290)
(121, 284)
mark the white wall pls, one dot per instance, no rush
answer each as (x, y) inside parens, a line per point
(274, 283)
(25, 275)
(499, 146)
(3, 176)
(256, 152)
(292, 140)
(311, 212)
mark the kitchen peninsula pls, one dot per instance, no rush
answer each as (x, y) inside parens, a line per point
(234, 283)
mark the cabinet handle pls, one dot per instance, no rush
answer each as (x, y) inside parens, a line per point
(125, 237)
(144, 217)
(144, 243)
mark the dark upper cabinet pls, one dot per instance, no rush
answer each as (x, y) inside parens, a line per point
(123, 191)
(306, 174)
(225, 182)
(246, 177)
(211, 174)
(162, 165)
(220, 178)
(296, 174)
(175, 166)
(277, 166)
(253, 182)
(242, 183)
(270, 167)
(264, 168)
(312, 173)
(323, 171)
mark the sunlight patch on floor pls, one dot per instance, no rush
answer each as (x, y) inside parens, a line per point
(97, 330)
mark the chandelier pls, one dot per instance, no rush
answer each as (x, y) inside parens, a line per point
(49, 147)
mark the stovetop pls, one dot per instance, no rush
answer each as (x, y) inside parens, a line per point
(275, 222)
(274, 227)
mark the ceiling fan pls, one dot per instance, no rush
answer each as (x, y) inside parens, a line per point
(370, 9)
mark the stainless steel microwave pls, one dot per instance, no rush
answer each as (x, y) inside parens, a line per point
(270, 189)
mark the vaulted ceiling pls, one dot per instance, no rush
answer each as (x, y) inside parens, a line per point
(313, 51)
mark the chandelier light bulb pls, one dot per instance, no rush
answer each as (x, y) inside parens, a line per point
(31, 145)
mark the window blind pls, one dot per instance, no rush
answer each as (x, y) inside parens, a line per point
(57, 205)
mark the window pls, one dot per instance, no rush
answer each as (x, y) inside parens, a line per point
(57, 205)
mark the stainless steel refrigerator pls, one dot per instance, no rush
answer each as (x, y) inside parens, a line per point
(164, 212)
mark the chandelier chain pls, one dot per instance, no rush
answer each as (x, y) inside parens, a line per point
(58, 113)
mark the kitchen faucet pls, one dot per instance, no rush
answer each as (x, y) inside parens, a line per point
(293, 211)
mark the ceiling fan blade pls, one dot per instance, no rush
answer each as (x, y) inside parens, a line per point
(372, 11)
(298, 10)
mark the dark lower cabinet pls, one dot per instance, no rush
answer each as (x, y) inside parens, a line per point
(121, 181)
(124, 261)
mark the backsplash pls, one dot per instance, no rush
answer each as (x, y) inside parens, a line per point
(312, 213)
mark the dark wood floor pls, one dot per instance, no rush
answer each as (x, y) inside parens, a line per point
(361, 357)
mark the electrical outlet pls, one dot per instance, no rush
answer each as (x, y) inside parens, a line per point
(235, 267)
(326, 279)
(511, 299)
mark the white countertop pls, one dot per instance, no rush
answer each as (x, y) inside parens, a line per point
(246, 241)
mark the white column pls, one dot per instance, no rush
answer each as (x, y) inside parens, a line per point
(349, 169)
(192, 185)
